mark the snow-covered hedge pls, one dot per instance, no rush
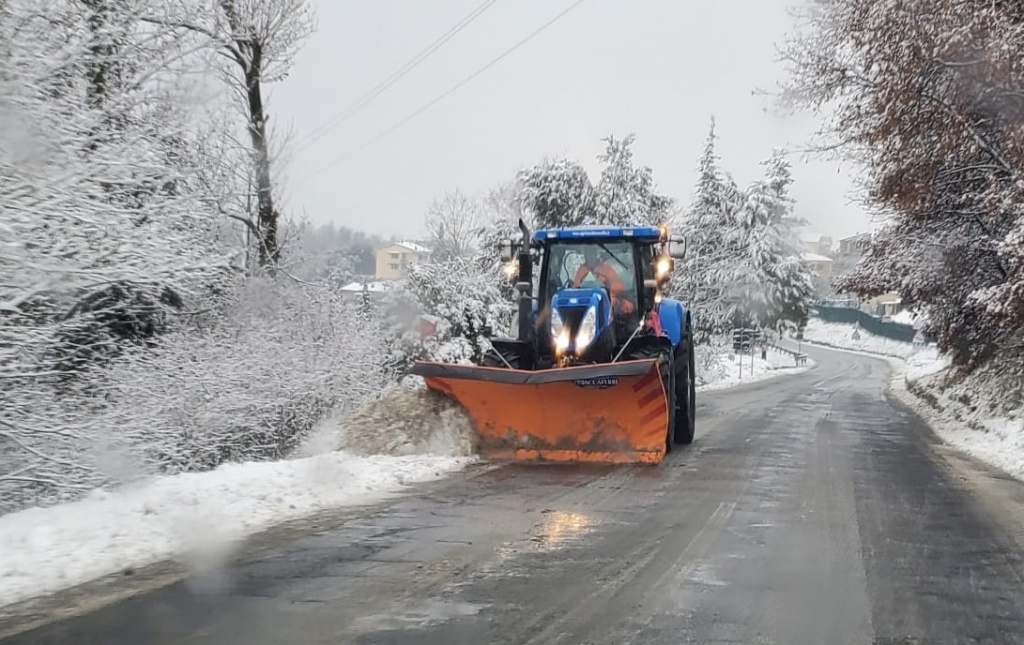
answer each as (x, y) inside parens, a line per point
(246, 381)
(463, 298)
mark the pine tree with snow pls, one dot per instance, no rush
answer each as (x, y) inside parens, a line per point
(625, 194)
(558, 193)
(705, 279)
(777, 287)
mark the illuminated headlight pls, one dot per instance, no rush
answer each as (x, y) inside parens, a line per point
(663, 267)
(511, 270)
(588, 328)
(559, 332)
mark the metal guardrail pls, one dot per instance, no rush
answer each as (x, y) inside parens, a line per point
(799, 357)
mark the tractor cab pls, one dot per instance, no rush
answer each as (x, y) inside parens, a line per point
(596, 288)
(580, 276)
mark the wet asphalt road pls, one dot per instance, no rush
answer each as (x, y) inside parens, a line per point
(811, 509)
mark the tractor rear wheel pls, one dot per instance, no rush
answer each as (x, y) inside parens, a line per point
(668, 375)
(686, 394)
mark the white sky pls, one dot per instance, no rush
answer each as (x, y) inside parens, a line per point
(659, 68)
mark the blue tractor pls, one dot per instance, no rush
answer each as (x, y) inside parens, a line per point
(600, 366)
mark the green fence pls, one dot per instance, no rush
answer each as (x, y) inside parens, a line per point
(870, 324)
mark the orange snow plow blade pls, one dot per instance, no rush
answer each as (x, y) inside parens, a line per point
(614, 413)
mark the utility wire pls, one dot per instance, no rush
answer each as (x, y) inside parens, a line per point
(383, 86)
(445, 95)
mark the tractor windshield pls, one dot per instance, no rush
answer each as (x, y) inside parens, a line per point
(593, 265)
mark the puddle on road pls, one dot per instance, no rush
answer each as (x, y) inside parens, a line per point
(561, 529)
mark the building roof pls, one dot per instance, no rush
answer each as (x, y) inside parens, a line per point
(814, 257)
(412, 246)
(856, 237)
(372, 287)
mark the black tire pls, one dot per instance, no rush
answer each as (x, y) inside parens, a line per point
(492, 359)
(684, 427)
(669, 375)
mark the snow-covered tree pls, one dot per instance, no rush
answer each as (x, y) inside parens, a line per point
(625, 194)
(106, 233)
(256, 42)
(453, 226)
(926, 95)
(706, 280)
(558, 193)
(463, 299)
(777, 286)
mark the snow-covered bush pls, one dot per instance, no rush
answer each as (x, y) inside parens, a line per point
(251, 385)
(463, 298)
(245, 381)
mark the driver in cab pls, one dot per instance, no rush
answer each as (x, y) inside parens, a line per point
(606, 275)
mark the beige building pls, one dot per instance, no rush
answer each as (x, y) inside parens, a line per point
(820, 264)
(393, 259)
(817, 244)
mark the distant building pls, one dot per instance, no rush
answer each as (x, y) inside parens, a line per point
(855, 245)
(817, 244)
(358, 290)
(820, 264)
(394, 259)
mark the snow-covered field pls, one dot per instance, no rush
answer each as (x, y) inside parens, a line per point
(200, 518)
(957, 413)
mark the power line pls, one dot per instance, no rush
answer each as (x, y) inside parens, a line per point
(446, 94)
(396, 76)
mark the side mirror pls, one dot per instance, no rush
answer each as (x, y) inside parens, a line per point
(677, 248)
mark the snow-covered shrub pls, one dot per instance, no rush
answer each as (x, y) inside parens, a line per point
(464, 299)
(249, 387)
(245, 380)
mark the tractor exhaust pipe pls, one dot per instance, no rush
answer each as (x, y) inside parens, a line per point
(525, 285)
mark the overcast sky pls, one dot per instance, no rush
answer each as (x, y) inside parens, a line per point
(658, 68)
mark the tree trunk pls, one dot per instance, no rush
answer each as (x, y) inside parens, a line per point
(269, 253)
(101, 52)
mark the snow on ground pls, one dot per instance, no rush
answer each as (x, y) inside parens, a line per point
(200, 517)
(724, 369)
(956, 411)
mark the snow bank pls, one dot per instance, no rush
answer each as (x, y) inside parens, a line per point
(960, 411)
(201, 517)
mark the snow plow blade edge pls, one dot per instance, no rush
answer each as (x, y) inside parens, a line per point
(613, 413)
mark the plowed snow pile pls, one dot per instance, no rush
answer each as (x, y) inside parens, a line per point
(403, 422)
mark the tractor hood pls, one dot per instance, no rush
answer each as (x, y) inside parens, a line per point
(578, 317)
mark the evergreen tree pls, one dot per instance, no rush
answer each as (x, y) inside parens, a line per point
(559, 194)
(625, 195)
(705, 279)
(777, 288)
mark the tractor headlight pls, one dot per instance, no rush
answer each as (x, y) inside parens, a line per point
(588, 329)
(663, 267)
(558, 332)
